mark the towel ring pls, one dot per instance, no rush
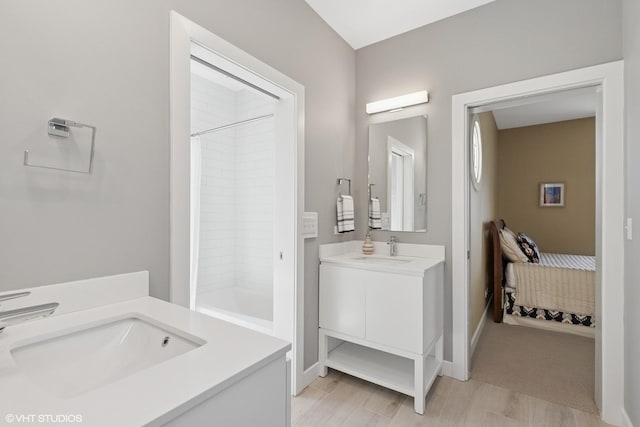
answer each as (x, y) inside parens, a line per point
(371, 191)
(341, 180)
(60, 128)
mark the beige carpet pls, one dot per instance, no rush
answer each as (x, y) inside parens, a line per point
(552, 366)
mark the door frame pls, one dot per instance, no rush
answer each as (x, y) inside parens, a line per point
(182, 33)
(408, 174)
(610, 166)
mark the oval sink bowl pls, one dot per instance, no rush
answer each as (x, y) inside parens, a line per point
(382, 260)
(77, 362)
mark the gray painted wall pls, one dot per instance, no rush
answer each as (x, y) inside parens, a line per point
(501, 42)
(106, 63)
(483, 208)
(631, 43)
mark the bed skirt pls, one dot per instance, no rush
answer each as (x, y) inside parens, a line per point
(543, 314)
(545, 325)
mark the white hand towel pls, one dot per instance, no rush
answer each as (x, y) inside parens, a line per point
(340, 216)
(375, 222)
(346, 214)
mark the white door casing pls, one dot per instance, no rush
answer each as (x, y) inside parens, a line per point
(289, 122)
(608, 78)
(401, 211)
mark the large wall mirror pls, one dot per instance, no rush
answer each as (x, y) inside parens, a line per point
(398, 175)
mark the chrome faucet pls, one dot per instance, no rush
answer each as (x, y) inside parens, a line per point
(19, 315)
(393, 246)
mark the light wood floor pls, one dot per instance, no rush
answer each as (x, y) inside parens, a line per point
(342, 400)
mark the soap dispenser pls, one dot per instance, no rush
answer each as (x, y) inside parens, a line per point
(367, 246)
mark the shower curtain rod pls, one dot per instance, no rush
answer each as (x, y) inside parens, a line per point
(232, 125)
(234, 77)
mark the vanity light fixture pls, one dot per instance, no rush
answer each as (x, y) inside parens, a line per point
(398, 103)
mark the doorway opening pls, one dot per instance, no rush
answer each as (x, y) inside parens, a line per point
(401, 183)
(233, 206)
(237, 181)
(543, 296)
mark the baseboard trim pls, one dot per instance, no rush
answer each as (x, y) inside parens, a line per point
(310, 375)
(478, 332)
(626, 421)
(447, 368)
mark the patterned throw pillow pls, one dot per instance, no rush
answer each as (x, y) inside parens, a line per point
(529, 248)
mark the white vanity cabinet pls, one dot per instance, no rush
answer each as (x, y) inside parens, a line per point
(381, 318)
(342, 300)
(110, 349)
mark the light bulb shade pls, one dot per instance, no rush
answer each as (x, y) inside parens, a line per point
(398, 102)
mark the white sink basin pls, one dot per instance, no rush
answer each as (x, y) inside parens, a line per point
(76, 362)
(382, 260)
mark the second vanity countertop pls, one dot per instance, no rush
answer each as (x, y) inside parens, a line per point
(152, 396)
(412, 259)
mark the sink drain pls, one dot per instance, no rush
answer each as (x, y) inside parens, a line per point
(165, 341)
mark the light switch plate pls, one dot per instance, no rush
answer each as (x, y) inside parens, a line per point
(629, 228)
(310, 225)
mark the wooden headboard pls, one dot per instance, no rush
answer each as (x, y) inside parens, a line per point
(498, 269)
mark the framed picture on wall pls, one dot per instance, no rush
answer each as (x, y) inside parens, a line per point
(552, 194)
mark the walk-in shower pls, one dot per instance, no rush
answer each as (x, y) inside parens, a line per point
(232, 197)
(237, 189)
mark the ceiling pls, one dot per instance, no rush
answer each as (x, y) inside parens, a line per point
(570, 105)
(364, 22)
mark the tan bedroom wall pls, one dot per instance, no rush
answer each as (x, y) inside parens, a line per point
(483, 209)
(554, 152)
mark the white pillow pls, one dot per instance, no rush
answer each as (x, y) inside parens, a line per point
(510, 247)
(508, 230)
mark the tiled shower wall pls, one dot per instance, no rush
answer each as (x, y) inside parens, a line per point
(254, 186)
(236, 204)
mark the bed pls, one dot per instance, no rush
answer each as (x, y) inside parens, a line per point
(558, 293)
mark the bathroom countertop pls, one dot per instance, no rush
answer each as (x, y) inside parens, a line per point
(410, 265)
(152, 396)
